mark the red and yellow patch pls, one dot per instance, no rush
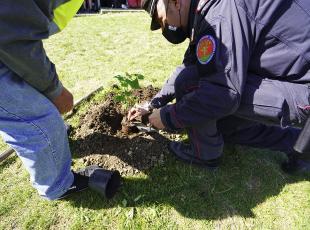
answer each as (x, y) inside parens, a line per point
(205, 49)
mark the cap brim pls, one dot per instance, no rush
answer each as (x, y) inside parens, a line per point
(154, 24)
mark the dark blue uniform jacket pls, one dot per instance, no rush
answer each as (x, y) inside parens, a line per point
(231, 38)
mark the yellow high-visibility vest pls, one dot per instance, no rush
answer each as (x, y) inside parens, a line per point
(65, 12)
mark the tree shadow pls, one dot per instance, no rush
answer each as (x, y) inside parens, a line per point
(246, 178)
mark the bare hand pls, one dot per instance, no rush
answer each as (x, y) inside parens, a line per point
(64, 102)
(155, 119)
(136, 111)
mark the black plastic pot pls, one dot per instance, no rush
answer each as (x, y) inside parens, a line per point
(105, 182)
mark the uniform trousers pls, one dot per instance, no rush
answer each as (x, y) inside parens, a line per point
(270, 114)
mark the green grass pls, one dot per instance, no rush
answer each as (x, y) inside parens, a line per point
(248, 192)
(92, 50)
(2, 146)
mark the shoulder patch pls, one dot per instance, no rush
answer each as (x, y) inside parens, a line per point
(205, 49)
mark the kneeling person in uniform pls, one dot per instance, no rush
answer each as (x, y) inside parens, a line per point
(244, 78)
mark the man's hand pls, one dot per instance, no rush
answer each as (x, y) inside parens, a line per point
(64, 102)
(137, 111)
(155, 119)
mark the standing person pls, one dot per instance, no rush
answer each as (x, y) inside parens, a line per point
(244, 78)
(32, 98)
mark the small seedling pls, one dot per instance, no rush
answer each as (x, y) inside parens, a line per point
(126, 84)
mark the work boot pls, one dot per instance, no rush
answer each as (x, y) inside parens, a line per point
(186, 153)
(100, 180)
(295, 165)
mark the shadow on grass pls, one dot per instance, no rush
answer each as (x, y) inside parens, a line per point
(247, 178)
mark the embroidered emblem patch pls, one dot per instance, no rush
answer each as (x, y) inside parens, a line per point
(205, 49)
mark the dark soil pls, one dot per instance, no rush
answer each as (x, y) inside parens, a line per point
(100, 138)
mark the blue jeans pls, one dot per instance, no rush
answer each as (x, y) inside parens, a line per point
(32, 125)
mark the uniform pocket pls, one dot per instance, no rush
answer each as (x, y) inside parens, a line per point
(264, 102)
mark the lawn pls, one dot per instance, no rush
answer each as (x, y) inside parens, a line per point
(248, 192)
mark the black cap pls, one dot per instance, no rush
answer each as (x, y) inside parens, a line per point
(150, 7)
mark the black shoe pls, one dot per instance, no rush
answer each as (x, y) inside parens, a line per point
(295, 165)
(80, 183)
(186, 153)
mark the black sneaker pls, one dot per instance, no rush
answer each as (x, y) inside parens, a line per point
(80, 183)
(186, 153)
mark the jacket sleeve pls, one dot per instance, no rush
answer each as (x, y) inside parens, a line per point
(222, 53)
(167, 92)
(23, 25)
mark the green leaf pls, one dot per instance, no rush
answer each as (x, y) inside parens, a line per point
(127, 93)
(134, 84)
(139, 76)
(120, 98)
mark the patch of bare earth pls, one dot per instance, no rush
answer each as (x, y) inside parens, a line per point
(100, 139)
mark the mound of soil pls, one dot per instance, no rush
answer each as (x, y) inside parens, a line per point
(100, 140)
